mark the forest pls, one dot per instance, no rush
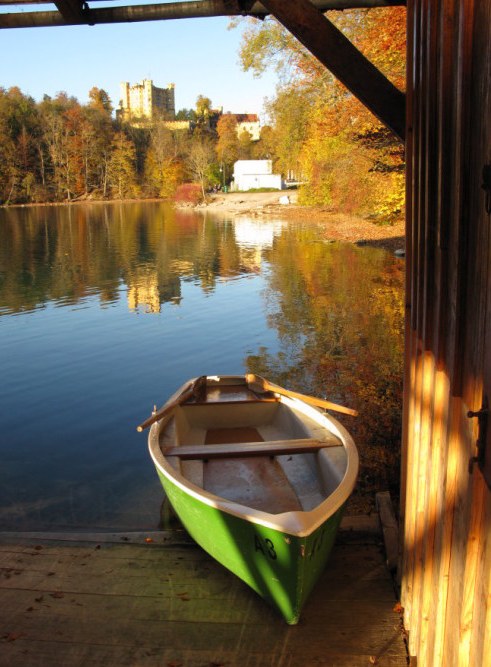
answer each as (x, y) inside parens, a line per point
(317, 133)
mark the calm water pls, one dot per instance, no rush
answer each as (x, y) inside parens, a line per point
(107, 309)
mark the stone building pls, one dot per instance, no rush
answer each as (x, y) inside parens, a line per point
(145, 101)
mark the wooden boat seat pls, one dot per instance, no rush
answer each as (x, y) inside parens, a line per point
(244, 449)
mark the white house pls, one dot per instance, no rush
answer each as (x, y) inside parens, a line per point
(254, 174)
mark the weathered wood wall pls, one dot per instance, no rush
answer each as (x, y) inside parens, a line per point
(447, 509)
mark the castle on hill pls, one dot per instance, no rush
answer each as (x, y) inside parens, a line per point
(143, 102)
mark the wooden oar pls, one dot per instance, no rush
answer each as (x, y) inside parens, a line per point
(318, 402)
(181, 398)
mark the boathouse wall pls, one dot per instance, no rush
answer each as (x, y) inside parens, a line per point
(446, 498)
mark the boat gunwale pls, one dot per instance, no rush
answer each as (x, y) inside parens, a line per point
(297, 523)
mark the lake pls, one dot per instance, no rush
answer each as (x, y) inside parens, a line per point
(106, 309)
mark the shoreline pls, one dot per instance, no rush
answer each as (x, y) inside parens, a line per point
(338, 226)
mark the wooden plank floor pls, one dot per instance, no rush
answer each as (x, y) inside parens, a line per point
(120, 600)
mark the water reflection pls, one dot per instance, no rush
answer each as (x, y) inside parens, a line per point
(80, 367)
(66, 254)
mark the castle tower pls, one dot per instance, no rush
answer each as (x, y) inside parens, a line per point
(145, 101)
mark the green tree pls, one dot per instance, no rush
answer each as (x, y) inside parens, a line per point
(186, 114)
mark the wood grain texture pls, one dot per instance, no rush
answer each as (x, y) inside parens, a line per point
(244, 449)
(152, 604)
(445, 587)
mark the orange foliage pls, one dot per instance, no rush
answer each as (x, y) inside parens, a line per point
(189, 192)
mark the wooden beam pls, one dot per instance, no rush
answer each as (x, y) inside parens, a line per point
(162, 12)
(257, 8)
(74, 11)
(245, 449)
(328, 44)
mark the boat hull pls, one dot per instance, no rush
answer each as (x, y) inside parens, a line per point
(282, 568)
(270, 519)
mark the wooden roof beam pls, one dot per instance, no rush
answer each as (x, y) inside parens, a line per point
(337, 53)
(72, 12)
(257, 8)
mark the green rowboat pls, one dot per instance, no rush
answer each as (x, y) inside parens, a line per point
(259, 477)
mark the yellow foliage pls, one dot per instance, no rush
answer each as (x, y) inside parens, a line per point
(390, 200)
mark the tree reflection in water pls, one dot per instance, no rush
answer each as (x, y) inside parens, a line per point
(338, 309)
(321, 318)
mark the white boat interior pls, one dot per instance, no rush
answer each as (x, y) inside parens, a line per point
(282, 477)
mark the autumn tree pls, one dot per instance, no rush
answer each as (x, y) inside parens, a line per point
(291, 111)
(227, 146)
(204, 115)
(99, 135)
(245, 145)
(163, 163)
(100, 101)
(321, 131)
(200, 158)
(122, 166)
(265, 147)
(20, 136)
(203, 106)
(60, 136)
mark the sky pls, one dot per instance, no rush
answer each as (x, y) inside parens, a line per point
(200, 56)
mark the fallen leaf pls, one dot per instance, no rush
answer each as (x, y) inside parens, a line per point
(373, 660)
(148, 540)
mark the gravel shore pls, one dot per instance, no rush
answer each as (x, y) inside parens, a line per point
(338, 226)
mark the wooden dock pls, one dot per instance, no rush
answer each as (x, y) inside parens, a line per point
(158, 600)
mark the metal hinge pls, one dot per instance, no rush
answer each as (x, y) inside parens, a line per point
(486, 186)
(482, 419)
